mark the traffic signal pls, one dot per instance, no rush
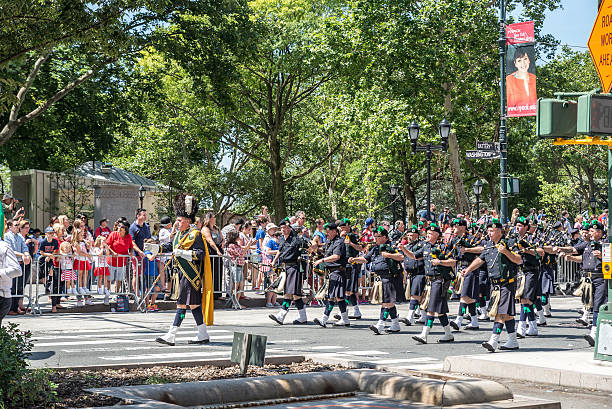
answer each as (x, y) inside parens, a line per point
(556, 118)
(595, 115)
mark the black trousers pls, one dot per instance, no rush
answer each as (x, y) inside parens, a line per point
(5, 307)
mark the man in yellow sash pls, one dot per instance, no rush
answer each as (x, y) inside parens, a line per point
(191, 258)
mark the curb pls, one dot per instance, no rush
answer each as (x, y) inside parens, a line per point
(510, 370)
(221, 363)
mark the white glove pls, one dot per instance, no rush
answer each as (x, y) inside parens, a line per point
(184, 254)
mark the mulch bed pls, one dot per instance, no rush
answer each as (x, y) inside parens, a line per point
(71, 384)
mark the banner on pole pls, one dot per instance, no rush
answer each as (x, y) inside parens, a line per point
(520, 64)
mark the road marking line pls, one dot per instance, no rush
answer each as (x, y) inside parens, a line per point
(324, 347)
(165, 356)
(118, 334)
(118, 340)
(363, 353)
(401, 361)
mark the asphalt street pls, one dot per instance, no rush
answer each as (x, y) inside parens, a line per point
(105, 338)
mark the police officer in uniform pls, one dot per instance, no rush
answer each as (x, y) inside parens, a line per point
(467, 248)
(385, 266)
(335, 266)
(353, 248)
(190, 254)
(439, 266)
(289, 256)
(531, 256)
(502, 264)
(415, 271)
(589, 254)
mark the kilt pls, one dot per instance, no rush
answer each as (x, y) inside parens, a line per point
(531, 285)
(506, 298)
(336, 285)
(187, 294)
(417, 284)
(389, 290)
(438, 297)
(352, 278)
(293, 284)
(471, 285)
(547, 282)
(600, 293)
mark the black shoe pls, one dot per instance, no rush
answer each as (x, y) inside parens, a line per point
(504, 348)
(351, 317)
(582, 322)
(470, 328)
(484, 319)
(202, 342)
(275, 319)
(374, 329)
(548, 316)
(163, 341)
(444, 341)
(519, 336)
(419, 339)
(454, 325)
(405, 321)
(544, 324)
(590, 339)
(298, 322)
(488, 346)
(341, 324)
(337, 316)
(318, 322)
(390, 331)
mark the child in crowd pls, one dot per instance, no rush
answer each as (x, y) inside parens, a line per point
(81, 259)
(236, 255)
(151, 272)
(67, 273)
(99, 252)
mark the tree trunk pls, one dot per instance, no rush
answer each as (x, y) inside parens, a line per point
(278, 182)
(454, 162)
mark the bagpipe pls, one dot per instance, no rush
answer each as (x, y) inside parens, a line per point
(278, 285)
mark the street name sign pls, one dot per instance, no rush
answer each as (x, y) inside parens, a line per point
(482, 154)
(600, 44)
(487, 146)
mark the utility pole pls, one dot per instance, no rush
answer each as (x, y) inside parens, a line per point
(503, 138)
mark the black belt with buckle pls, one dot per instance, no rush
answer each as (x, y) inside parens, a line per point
(594, 274)
(502, 281)
(434, 278)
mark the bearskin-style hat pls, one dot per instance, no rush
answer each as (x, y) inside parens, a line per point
(185, 205)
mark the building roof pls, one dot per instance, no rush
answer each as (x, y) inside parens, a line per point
(93, 170)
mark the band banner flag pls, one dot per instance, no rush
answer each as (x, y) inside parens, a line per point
(521, 96)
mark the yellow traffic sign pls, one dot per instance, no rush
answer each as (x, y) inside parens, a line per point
(600, 44)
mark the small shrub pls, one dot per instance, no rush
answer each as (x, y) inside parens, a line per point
(19, 385)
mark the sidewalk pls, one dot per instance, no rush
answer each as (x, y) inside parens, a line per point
(575, 369)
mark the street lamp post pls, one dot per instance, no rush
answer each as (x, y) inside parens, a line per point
(477, 191)
(593, 204)
(393, 191)
(290, 203)
(443, 130)
(141, 194)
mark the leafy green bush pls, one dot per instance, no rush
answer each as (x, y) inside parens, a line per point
(19, 385)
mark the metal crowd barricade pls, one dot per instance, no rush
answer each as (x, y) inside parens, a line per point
(567, 275)
(22, 286)
(62, 277)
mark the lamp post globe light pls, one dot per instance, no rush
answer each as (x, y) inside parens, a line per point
(477, 192)
(290, 203)
(414, 130)
(141, 195)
